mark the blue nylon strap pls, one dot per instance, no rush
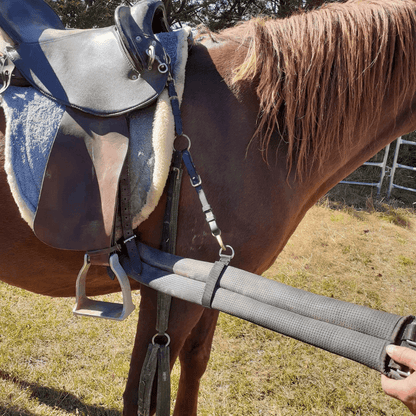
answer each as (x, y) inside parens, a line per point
(197, 184)
(190, 167)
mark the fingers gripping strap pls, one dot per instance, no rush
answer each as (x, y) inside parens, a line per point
(213, 279)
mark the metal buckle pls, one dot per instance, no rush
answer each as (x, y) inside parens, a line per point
(402, 374)
(6, 70)
(151, 53)
(196, 184)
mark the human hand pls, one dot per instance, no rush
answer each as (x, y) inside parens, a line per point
(403, 390)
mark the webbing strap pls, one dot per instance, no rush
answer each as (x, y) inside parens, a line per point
(213, 280)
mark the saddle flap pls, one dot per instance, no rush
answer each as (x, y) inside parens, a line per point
(77, 203)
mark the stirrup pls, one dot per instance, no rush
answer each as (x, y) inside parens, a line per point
(98, 309)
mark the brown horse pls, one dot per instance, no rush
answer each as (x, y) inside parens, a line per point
(278, 112)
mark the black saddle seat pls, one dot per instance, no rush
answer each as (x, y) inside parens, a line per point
(103, 72)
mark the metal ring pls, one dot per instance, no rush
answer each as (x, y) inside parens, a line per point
(161, 335)
(187, 138)
(163, 68)
(232, 251)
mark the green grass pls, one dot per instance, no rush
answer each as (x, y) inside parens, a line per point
(52, 363)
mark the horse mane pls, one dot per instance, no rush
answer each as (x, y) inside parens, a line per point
(320, 74)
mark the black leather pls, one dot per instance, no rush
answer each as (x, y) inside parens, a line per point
(79, 190)
(135, 28)
(91, 70)
(26, 20)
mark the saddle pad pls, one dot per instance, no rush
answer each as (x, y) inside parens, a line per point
(32, 120)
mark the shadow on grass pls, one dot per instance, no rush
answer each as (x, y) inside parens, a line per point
(56, 399)
(13, 411)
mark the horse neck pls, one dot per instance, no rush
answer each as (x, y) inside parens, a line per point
(293, 195)
(368, 140)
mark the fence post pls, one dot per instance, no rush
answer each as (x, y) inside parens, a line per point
(381, 165)
(396, 165)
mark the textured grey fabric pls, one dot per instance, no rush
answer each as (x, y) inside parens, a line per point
(352, 331)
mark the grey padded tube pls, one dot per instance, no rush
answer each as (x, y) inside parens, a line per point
(352, 331)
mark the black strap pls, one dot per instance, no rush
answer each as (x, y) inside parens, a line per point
(158, 353)
(213, 279)
(170, 220)
(146, 380)
(126, 221)
(174, 102)
(163, 381)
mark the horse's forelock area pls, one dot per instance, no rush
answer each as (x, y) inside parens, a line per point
(322, 76)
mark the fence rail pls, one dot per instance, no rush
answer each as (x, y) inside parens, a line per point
(382, 165)
(396, 165)
(388, 171)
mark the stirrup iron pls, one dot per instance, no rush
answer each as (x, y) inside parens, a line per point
(98, 309)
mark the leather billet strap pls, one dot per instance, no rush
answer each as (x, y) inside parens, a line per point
(174, 102)
(126, 220)
(170, 220)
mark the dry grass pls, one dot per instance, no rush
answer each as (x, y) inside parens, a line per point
(52, 363)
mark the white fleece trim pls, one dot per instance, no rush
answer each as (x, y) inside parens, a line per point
(25, 211)
(163, 135)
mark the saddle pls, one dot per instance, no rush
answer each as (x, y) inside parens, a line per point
(100, 76)
(103, 72)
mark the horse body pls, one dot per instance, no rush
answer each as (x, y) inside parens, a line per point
(258, 205)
